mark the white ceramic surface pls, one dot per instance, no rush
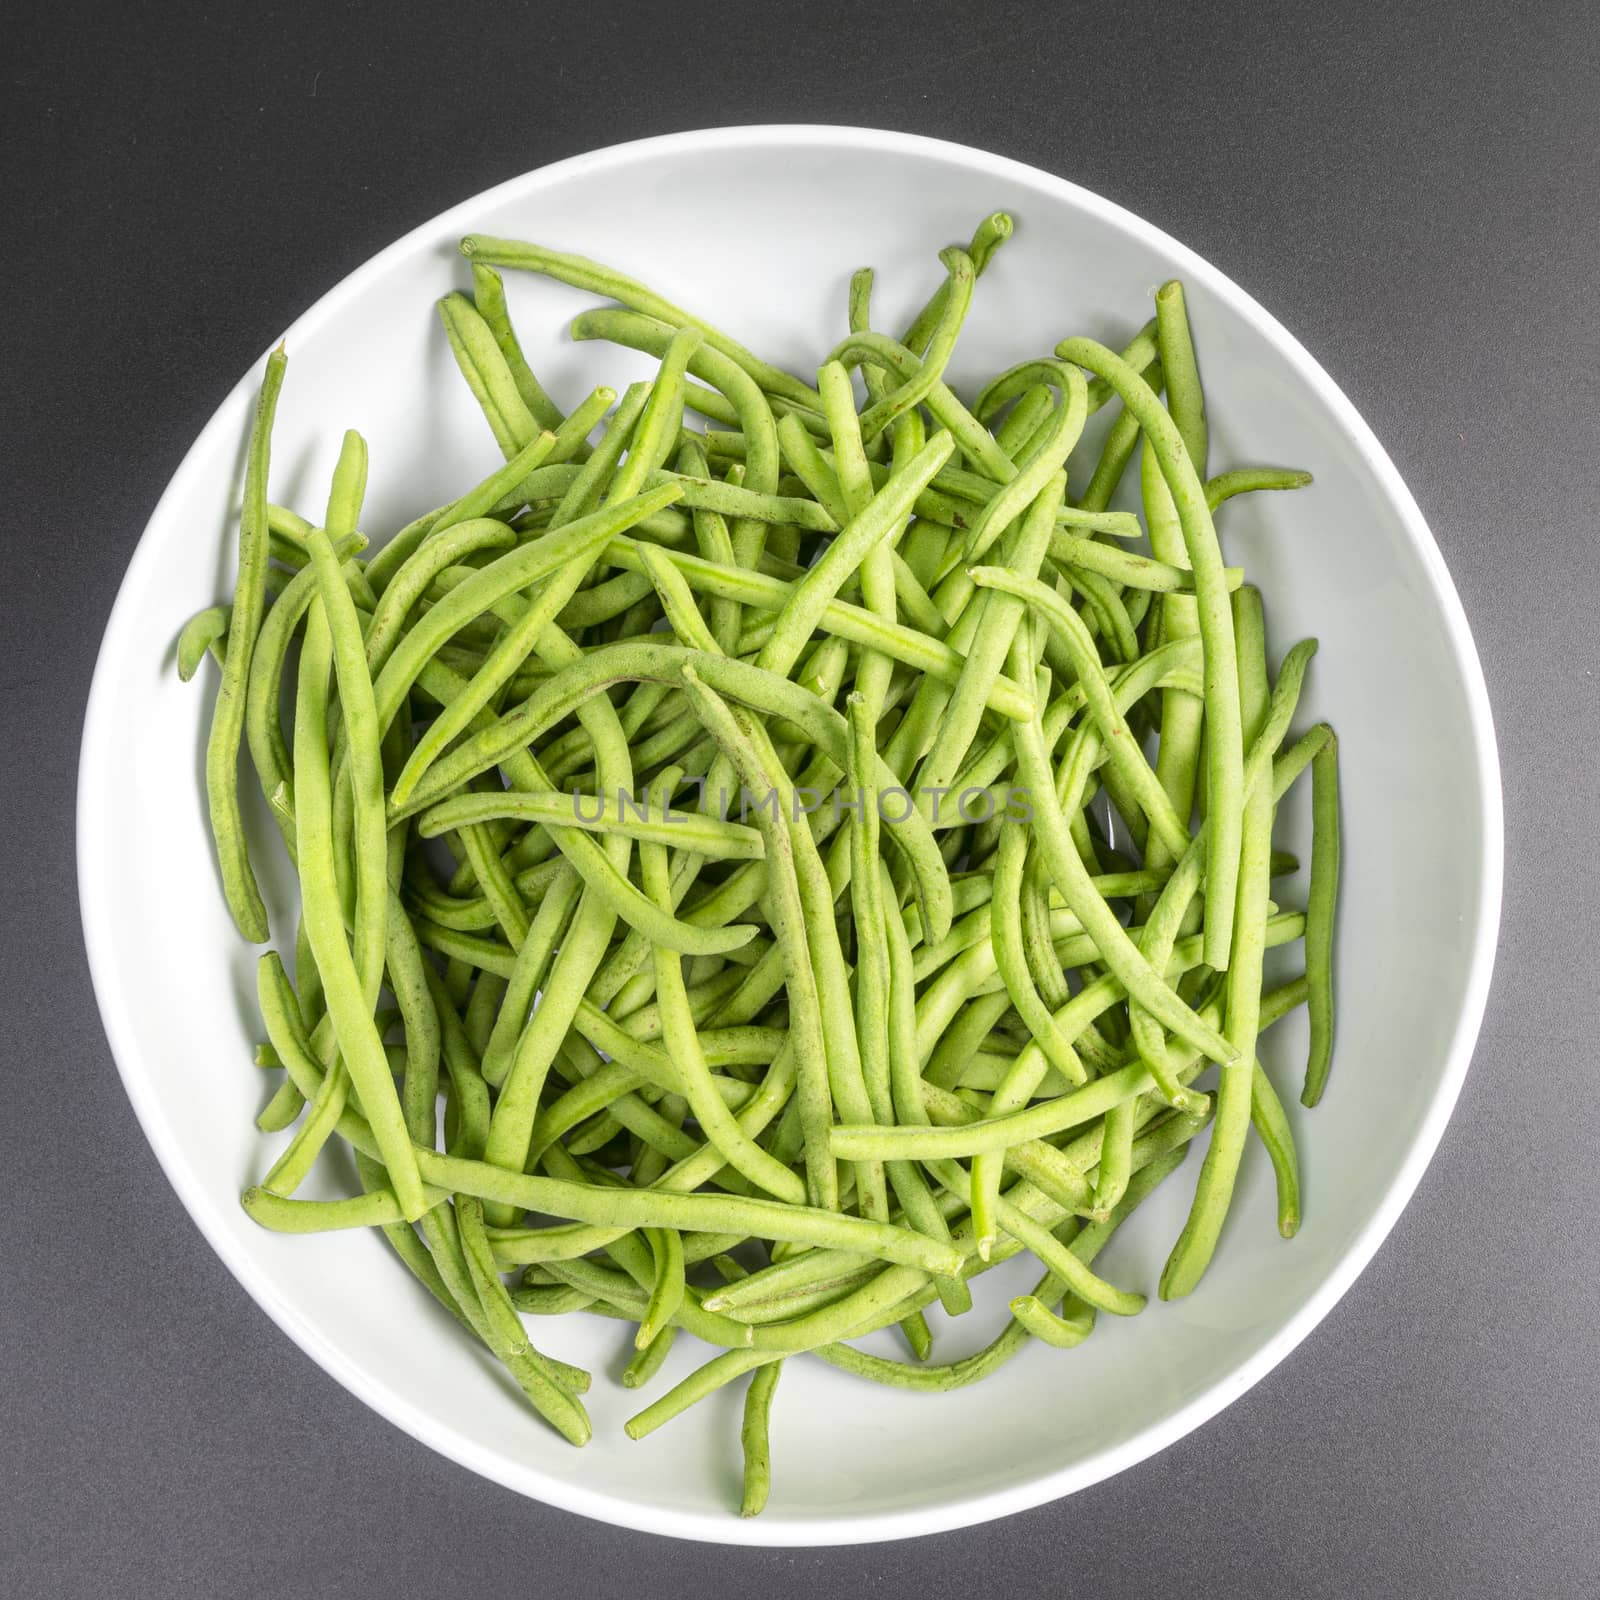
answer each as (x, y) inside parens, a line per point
(761, 227)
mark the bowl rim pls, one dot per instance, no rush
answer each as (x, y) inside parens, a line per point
(773, 1529)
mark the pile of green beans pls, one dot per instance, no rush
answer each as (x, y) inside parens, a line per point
(808, 855)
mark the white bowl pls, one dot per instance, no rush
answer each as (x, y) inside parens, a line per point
(761, 227)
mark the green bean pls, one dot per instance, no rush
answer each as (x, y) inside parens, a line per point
(996, 619)
(952, 313)
(728, 375)
(754, 1438)
(627, 1208)
(708, 836)
(1021, 1082)
(1030, 1314)
(413, 577)
(842, 618)
(411, 1250)
(1123, 751)
(551, 1244)
(685, 1050)
(702, 493)
(1011, 960)
(972, 1023)
(1245, 480)
(1038, 948)
(1163, 923)
(1034, 471)
(610, 886)
(644, 1364)
(921, 732)
(586, 486)
(591, 275)
(204, 631)
(715, 405)
(349, 1007)
(1320, 907)
(287, 536)
(1029, 412)
(786, 915)
(906, 1093)
(677, 603)
(1109, 613)
(1116, 1156)
(377, 1208)
(469, 1093)
(509, 1339)
(1079, 554)
(360, 713)
(489, 298)
(973, 439)
(557, 1300)
(666, 1246)
(1192, 1253)
(489, 956)
(931, 1379)
(912, 1143)
(870, 901)
(1185, 397)
(582, 949)
(478, 501)
(483, 365)
(855, 484)
(822, 582)
(545, 558)
(1224, 741)
(635, 1063)
(1101, 924)
(509, 912)
(1063, 1332)
(654, 437)
(597, 648)
(527, 972)
(818, 1267)
(1042, 1243)
(859, 318)
(227, 722)
(1182, 714)
(871, 999)
(846, 1074)
(292, 1168)
(878, 1302)
(1298, 757)
(990, 234)
(716, 1372)
(715, 544)
(918, 1335)
(420, 1066)
(762, 691)
(269, 751)
(813, 1278)
(1272, 1127)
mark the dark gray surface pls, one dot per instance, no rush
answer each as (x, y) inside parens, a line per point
(1410, 189)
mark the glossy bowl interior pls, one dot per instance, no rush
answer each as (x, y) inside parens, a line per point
(762, 227)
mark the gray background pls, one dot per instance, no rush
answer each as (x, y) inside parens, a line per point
(1411, 189)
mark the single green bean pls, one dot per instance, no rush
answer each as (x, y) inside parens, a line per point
(1321, 903)
(754, 1438)
(1245, 480)
(227, 722)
